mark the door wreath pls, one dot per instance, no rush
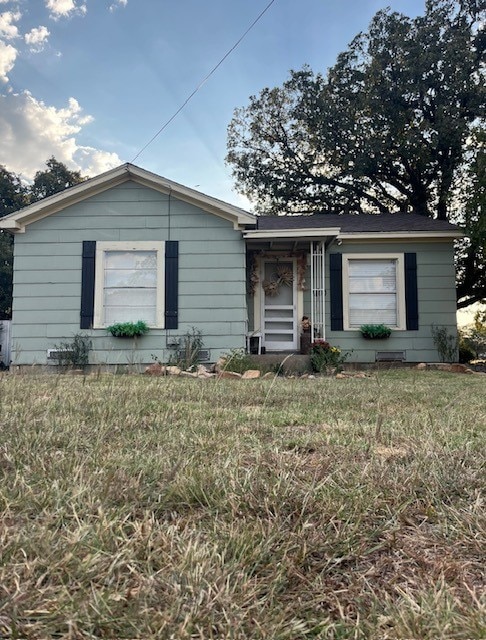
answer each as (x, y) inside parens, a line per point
(283, 276)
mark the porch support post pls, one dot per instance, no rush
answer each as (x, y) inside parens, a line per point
(318, 294)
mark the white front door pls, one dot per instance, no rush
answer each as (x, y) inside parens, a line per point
(279, 304)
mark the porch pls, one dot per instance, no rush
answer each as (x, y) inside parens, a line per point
(286, 285)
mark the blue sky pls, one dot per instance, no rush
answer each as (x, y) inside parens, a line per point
(91, 81)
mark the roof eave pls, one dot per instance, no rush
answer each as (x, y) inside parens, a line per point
(286, 234)
(400, 235)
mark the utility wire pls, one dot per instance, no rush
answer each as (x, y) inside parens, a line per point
(166, 124)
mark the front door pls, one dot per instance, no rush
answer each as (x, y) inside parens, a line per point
(279, 304)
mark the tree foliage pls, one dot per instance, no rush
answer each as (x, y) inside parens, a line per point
(14, 195)
(388, 128)
(55, 178)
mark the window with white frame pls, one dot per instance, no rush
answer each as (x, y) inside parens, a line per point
(374, 290)
(129, 283)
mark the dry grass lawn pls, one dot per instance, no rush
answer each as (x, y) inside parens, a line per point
(276, 509)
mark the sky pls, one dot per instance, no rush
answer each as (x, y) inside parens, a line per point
(92, 81)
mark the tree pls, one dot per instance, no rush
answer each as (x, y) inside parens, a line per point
(13, 196)
(471, 254)
(55, 178)
(386, 130)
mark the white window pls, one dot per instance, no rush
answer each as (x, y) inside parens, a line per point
(129, 283)
(374, 290)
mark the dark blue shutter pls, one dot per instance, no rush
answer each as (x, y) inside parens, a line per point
(411, 292)
(171, 284)
(87, 284)
(336, 282)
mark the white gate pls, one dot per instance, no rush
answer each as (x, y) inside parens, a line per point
(5, 346)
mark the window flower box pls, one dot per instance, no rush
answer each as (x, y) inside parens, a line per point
(375, 331)
(128, 329)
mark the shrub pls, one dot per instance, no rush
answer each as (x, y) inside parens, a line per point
(325, 358)
(238, 360)
(75, 353)
(445, 343)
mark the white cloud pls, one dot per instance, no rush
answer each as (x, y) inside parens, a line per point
(118, 3)
(64, 8)
(36, 38)
(8, 55)
(8, 29)
(32, 131)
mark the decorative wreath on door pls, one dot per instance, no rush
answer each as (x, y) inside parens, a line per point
(283, 276)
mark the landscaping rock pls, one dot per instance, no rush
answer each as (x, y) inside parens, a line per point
(155, 369)
(206, 374)
(452, 368)
(173, 371)
(202, 370)
(229, 375)
(421, 366)
(219, 365)
(268, 375)
(251, 374)
(188, 374)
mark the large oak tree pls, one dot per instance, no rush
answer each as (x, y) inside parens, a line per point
(388, 128)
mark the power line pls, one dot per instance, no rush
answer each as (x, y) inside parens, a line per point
(166, 124)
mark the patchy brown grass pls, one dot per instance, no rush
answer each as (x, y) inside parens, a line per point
(286, 509)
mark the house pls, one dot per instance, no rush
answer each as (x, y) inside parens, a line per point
(130, 245)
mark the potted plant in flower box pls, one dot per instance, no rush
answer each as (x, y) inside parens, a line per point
(375, 331)
(128, 329)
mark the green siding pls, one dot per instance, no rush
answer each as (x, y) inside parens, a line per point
(47, 280)
(436, 296)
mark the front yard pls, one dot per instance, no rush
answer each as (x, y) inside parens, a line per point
(134, 507)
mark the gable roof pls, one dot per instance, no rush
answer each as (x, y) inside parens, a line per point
(16, 222)
(350, 226)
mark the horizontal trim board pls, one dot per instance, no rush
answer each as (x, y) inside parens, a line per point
(400, 235)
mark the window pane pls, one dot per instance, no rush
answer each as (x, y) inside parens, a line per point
(129, 314)
(130, 278)
(372, 292)
(363, 284)
(130, 260)
(130, 286)
(372, 309)
(130, 297)
(372, 267)
(280, 337)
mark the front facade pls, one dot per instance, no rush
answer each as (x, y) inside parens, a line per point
(130, 246)
(345, 276)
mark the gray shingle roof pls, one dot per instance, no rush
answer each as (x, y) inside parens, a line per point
(353, 223)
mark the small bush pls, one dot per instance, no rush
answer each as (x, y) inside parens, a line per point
(325, 358)
(192, 343)
(75, 353)
(238, 361)
(466, 354)
(445, 343)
